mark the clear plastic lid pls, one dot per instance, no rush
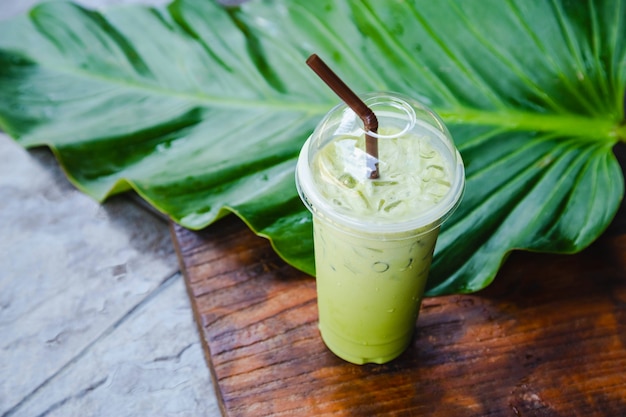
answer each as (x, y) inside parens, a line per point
(420, 172)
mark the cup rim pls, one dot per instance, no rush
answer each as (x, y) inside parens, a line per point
(423, 222)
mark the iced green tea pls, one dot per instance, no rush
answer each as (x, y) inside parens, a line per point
(374, 238)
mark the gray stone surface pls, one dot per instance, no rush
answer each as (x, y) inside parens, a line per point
(94, 318)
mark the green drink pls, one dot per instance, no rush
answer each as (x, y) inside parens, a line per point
(374, 238)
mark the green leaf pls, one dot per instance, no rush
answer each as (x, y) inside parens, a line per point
(202, 110)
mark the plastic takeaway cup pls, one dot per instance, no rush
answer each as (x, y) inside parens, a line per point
(374, 238)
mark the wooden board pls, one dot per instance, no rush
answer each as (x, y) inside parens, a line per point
(548, 338)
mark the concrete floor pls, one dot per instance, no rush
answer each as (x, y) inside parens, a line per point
(94, 317)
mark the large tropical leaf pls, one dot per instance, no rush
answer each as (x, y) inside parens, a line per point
(202, 110)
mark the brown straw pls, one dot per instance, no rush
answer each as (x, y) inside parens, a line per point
(355, 103)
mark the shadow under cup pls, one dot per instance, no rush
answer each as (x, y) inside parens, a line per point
(373, 252)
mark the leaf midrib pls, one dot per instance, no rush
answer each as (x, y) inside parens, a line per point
(205, 99)
(569, 125)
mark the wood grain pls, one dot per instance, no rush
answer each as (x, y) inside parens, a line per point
(548, 338)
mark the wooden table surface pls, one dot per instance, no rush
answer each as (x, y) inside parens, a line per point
(547, 338)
